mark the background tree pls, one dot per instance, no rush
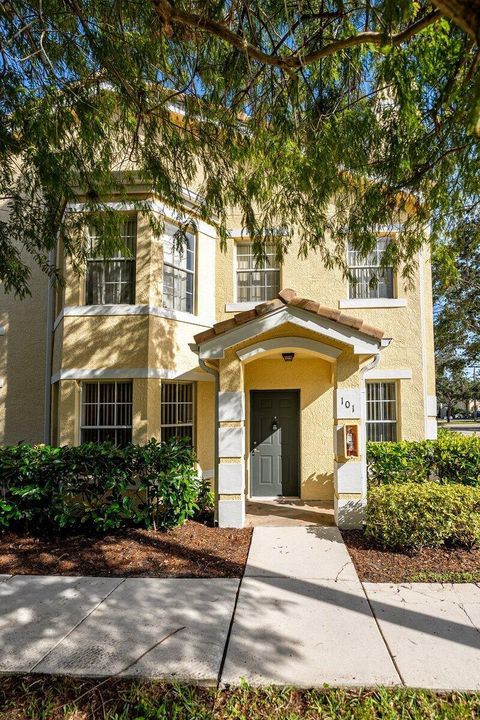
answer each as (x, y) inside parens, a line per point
(455, 388)
(456, 272)
(273, 107)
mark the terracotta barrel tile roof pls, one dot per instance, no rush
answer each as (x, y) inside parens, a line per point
(289, 297)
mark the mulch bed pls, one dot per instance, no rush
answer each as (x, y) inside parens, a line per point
(192, 550)
(373, 564)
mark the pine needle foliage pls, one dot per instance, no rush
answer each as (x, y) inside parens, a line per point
(276, 108)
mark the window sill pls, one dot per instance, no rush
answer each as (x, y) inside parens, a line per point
(372, 303)
(119, 310)
(240, 306)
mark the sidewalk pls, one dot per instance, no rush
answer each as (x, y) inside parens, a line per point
(175, 629)
(300, 616)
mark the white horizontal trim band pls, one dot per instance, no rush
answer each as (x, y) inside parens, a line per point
(377, 374)
(193, 375)
(155, 206)
(242, 232)
(372, 303)
(118, 310)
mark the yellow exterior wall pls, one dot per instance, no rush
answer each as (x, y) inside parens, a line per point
(22, 363)
(151, 341)
(68, 413)
(146, 415)
(410, 327)
(313, 378)
(205, 425)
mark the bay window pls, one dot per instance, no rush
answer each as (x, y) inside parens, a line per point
(178, 270)
(106, 412)
(111, 281)
(177, 410)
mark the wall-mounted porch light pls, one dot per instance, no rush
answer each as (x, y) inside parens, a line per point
(288, 357)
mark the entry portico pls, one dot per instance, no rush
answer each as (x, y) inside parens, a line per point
(290, 426)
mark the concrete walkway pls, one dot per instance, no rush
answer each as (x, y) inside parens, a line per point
(170, 628)
(300, 616)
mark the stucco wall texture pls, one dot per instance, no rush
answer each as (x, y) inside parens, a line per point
(157, 346)
(22, 363)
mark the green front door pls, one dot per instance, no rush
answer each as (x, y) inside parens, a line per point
(274, 443)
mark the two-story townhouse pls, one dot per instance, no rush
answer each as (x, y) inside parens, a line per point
(279, 373)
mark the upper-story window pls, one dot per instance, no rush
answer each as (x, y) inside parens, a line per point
(368, 278)
(256, 281)
(178, 271)
(111, 281)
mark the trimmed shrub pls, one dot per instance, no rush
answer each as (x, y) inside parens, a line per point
(399, 462)
(456, 458)
(411, 515)
(453, 458)
(97, 486)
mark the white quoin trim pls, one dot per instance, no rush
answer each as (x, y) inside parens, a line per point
(362, 344)
(131, 374)
(326, 352)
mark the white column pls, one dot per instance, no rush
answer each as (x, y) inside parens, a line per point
(350, 472)
(231, 459)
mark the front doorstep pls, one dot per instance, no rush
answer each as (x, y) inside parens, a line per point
(280, 512)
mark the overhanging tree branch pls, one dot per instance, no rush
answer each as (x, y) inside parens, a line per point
(169, 14)
(464, 13)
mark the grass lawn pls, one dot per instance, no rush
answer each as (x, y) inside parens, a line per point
(51, 698)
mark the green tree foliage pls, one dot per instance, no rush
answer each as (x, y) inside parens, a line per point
(455, 387)
(281, 107)
(457, 318)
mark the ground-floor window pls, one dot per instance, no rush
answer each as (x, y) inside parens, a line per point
(107, 412)
(177, 410)
(381, 411)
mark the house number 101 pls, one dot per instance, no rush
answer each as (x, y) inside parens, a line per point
(348, 405)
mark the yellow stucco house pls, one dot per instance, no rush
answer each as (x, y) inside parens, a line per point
(278, 373)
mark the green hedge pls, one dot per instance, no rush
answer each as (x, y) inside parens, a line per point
(413, 515)
(453, 458)
(97, 486)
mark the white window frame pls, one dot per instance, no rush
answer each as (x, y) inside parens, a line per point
(365, 264)
(179, 268)
(236, 271)
(383, 421)
(176, 403)
(98, 404)
(118, 259)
